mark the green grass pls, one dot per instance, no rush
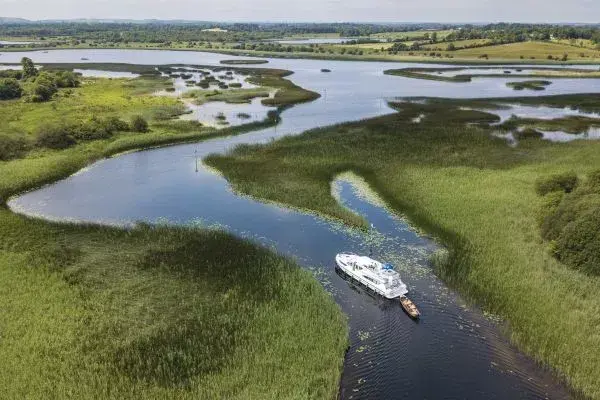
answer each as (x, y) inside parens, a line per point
(539, 50)
(234, 96)
(288, 93)
(159, 313)
(148, 312)
(471, 190)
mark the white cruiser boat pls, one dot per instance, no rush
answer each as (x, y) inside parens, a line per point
(381, 278)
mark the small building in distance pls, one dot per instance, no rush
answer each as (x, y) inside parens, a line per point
(214, 30)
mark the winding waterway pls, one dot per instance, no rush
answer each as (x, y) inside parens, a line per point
(453, 352)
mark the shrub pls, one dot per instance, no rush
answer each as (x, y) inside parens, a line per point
(11, 73)
(571, 224)
(96, 128)
(12, 147)
(55, 137)
(117, 125)
(564, 182)
(43, 88)
(10, 89)
(66, 79)
(139, 124)
(579, 243)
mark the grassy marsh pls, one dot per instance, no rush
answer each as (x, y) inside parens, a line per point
(149, 311)
(454, 179)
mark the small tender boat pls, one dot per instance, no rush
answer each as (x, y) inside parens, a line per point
(409, 307)
(381, 278)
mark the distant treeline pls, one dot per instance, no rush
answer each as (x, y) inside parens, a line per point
(167, 32)
(159, 32)
(511, 33)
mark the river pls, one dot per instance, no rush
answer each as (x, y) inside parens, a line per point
(454, 351)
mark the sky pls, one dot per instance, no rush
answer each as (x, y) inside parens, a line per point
(311, 10)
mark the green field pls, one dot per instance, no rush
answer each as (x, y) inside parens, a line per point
(458, 43)
(152, 311)
(471, 190)
(539, 50)
(411, 34)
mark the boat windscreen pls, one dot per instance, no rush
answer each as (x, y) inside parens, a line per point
(388, 266)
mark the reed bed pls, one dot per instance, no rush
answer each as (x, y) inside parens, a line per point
(454, 179)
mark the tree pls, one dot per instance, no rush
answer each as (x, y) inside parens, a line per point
(434, 37)
(29, 69)
(451, 47)
(10, 89)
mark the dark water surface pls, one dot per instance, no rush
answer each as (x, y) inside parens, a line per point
(452, 352)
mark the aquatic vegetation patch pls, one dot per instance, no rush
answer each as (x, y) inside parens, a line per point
(249, 61)
(462, 73)
(530, 85)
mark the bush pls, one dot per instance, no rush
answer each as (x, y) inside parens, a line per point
(579, 244)
(96, 128)
(11, 73)
(43, 87)
(65, 135)
(10, 89)
(139, 124)
(12, 147)
(117, 125)
(55, 137)
(571, 223)
(565, 182)
(66, 79)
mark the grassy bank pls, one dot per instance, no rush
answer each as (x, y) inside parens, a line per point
(454, 57)
(472, 190)
(147, 312)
